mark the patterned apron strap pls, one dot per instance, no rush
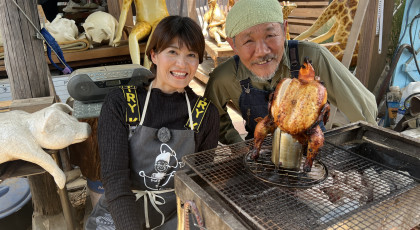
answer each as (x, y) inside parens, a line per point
(146, 103)
(152, 195)
(189, 110)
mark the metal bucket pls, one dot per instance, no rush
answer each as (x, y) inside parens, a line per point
(287, 151)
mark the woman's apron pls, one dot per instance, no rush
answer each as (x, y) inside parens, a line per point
(155, 156)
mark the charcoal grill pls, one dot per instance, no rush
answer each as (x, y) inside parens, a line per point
(372, 183)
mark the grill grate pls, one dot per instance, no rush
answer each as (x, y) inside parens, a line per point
(265, 170)
(357, 194)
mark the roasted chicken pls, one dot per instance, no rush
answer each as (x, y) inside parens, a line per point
(297, 106)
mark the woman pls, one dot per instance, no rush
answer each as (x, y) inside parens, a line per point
(140, 162)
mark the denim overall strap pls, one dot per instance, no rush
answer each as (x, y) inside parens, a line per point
(294, 58)
(253, 103)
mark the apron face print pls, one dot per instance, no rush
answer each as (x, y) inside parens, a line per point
(153, 163)
(163, 169)
(156, 153)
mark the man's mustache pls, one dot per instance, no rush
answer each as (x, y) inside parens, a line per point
(265, 58)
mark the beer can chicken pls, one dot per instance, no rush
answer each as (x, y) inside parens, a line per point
(297, 106)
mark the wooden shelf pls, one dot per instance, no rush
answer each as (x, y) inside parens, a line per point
(98, 55)
(94, 56)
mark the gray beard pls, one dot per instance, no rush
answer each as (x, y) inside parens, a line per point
(264, 78)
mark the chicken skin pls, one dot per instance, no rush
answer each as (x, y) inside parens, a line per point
(297, 106)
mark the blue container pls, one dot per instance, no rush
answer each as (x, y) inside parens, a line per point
(95, 186)
(15, 204)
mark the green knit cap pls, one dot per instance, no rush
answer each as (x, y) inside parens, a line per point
(247, 13)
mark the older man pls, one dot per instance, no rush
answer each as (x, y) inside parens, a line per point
(256, 33)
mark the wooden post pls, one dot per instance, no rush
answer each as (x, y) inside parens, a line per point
(367, 40)
(370, 63)
(27, 71)
(23, 53)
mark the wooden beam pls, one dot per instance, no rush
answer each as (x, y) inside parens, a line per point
(354, 32)
(307, 12)
(102, 52)
(373, 64)
(31, 105)
(367, 42)
(312, 4)
(24, 58)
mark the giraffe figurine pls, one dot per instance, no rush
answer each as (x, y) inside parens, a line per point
(148, 14)
(214, 22)
(287, 8)
(343, 11)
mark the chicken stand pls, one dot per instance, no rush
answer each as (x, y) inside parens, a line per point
(371, 180)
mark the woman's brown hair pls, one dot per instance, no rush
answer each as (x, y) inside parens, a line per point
(185, 29)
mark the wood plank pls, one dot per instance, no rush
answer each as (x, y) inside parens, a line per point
(25, 64)
(377, 60)
(31, 105)
(298, 29)
(5, 106)
(354, 32)
(313, 4)
(96, 53)
(367, 41)
(204, 69)
(304, 16)
(41, 81)
(216, 52)
(125, 59)
(300, 21)
(7, 34)
(41, 13)
(2, 66)
(306, 12)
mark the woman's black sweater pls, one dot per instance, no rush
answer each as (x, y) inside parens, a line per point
(164, 110)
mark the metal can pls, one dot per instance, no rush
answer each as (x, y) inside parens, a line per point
(287, 151)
